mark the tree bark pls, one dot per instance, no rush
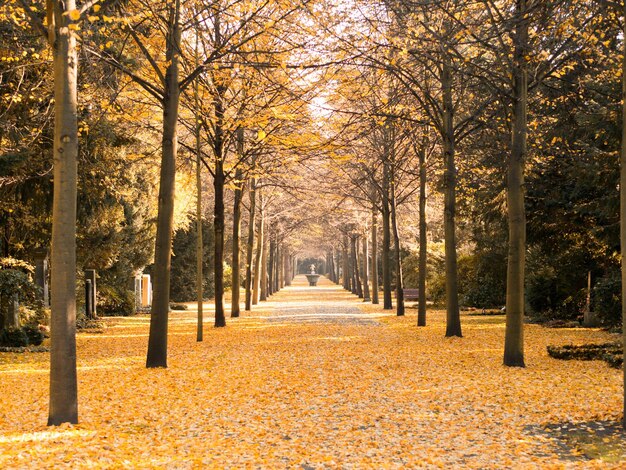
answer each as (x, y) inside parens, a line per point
(355, 264)
(374, 255)
(622, 186)
(423, 251)
(250, 244)
(287, 268)
(219, 219)
(366, 287)
(63, 405)
(63, 382)
(157, 341)
(219, 228)
(236, 268)
(396, 241)
(514, 334)
(345, 264)
(264, 263)
(281, 264)
(331, 265)
(453, 318)
(386, 254)
(258, 256)
(199, 241)
(271, 268)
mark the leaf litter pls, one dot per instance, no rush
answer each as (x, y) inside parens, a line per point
(371, 392)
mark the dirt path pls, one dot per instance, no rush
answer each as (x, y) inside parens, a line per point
(324, 303)
(312, 378)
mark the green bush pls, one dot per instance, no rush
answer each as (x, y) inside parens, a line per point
(482, 279)
(115, 301)
(183, 271)
(606, 299)
(437, 288)
(611, 353)
(34, 334)
(435, 272)
(14, 337)
(541, 290)
(14, 281)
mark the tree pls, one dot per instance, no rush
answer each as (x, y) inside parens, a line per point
(60, 33)
(623, 206)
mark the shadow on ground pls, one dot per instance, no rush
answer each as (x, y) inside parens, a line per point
(585, 441)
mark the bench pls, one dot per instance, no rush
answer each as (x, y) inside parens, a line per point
(411, 294)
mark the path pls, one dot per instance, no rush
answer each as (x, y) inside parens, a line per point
(313, 378)
(326, 303)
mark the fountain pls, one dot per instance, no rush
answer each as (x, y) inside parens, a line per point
(312, 276)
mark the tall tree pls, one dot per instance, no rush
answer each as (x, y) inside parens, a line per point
(237, 203)
(623, 207)
(514, 339)
(61, 17)
(61, 25)
(157, 340)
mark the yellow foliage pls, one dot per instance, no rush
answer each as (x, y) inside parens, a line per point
(74, 15)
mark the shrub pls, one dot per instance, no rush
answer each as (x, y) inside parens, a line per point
(116, 301)
(606, 295)
(541, 290)
(34, 334)
(482, 279)
(14, 281)
(14, 337)
(611, 353)
(183, 271)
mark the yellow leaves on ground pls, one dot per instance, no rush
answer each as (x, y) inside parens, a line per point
(313, 378)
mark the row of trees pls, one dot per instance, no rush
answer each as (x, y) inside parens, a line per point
(360, 116)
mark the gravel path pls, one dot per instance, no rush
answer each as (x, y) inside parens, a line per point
(325, 303)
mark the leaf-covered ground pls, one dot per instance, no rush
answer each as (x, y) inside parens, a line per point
(314, 378)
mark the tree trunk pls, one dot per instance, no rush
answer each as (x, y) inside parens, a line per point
(374, 255)
(386, 254)
(396, 241)
(287, 269)
(63, 383)
(219, 219)
(281, 266)
(199, 241)
(453, 318)
(236, 268)
(250, 244)
(259, 250)
(271, 268)
(264, 256)
(366, 287)
(351, 268)
(345, 264)
(355, 263)
(219, 226)
(157, 341)
(514, 334)
(423, 252)
(622, 186)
